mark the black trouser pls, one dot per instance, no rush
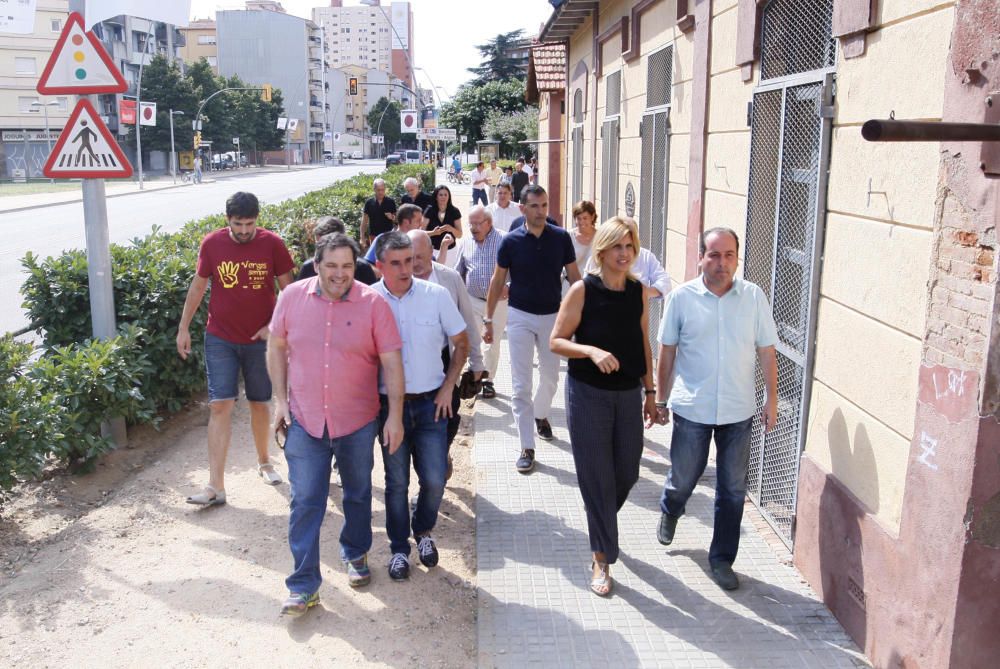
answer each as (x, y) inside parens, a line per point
(606, 433)
(456, 402)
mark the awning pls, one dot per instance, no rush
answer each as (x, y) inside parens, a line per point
(565, 20)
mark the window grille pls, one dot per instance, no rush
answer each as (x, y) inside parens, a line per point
(789, 158)
(578, 106)
(609, 169)
(796, 37)
(577, 164)
(613, 94)
(659, 77)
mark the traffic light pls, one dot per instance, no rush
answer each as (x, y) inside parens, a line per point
(265, 93)
(197, 139)
(354, 85)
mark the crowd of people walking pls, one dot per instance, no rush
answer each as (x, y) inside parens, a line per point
(377, 338)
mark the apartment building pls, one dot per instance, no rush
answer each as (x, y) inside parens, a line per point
(878, 258)
(375, 37)
(23, 141)
(264, 45)
(200, 39)
(130, 42)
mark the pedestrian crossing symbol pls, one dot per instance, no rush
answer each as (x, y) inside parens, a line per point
(86, 149)
(79, 64)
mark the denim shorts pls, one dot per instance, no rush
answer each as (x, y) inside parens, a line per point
(223, 362)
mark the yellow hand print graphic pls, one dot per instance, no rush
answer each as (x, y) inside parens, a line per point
(229, 273)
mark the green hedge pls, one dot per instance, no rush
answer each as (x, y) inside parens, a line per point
(51, 407)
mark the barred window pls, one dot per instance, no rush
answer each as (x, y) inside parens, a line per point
(659, 77)
(613, 94)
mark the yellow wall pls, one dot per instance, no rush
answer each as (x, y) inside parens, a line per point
(873, 289)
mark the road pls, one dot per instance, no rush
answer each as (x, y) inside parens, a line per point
(49, 230)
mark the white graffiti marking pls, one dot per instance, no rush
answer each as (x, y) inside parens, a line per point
(928, 444)
(955, 387)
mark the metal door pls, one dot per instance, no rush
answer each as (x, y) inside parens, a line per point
(789, 160)
(655, 133)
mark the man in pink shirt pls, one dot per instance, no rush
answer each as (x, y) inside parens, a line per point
(329, 333)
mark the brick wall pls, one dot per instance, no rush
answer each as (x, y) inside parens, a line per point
(961, 293)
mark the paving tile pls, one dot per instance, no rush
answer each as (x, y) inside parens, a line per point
(535, 608)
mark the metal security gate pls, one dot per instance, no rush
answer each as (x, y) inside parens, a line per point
(789, 159)
(609, 145)
(577, 139)
(653, 184)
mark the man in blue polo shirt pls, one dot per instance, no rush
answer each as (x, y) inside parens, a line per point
(535, 256)
(715, 329)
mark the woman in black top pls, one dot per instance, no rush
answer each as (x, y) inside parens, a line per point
(442, 217)
(601, 328)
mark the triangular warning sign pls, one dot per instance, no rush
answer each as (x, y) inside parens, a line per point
(79, 64)
(86, 149)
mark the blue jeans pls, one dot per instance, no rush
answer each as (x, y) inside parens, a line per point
(688, 457)
(223, 362)
(425, 440)
(308, 461)
(477, 194)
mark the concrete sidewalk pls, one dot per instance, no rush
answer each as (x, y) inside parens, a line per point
(120, 187)
(535, 608)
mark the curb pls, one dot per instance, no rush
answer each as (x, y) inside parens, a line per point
(139, 192)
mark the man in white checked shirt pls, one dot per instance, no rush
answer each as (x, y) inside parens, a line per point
(477, 258)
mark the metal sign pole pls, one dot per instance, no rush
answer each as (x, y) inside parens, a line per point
(102, 298)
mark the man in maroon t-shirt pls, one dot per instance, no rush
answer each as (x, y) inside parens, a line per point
(243, 263)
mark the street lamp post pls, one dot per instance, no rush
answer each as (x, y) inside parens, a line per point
(173, 153)
(48, 140)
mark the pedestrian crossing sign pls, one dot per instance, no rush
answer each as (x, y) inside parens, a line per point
(86, 149)
(79, 64)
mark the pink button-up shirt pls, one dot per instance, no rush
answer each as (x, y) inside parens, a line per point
(333, 354)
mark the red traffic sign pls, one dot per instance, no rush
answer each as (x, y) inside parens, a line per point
(86, 149)
(79, 64)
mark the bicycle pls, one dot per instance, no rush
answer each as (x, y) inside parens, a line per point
(460, 178)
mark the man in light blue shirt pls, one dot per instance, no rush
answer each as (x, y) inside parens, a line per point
(427, 319)
(716, 327)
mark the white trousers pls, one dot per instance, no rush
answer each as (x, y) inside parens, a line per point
(491, 356)
(527, 333)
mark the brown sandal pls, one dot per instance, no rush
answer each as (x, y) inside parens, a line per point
(600, 585)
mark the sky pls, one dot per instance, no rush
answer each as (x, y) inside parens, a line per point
(445, 31)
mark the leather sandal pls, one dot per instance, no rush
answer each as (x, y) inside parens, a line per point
(600, 585)
(208, 497)
(266, 471)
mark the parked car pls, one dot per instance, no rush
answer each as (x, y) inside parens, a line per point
(356, 155)
(393, 159)
(222, 162)
(412, 156)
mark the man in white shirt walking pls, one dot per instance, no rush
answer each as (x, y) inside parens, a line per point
(504, 210)
(479, 184)
(716, 327)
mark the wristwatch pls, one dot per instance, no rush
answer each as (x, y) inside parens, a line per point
(487, 321)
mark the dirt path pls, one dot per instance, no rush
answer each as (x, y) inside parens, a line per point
(113, 569)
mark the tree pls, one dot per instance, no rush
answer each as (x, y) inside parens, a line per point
(254, 121)
(163, 83)
(467, 111)
(215, 128)
(497, 62)
(512, 129)
(390, 120)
